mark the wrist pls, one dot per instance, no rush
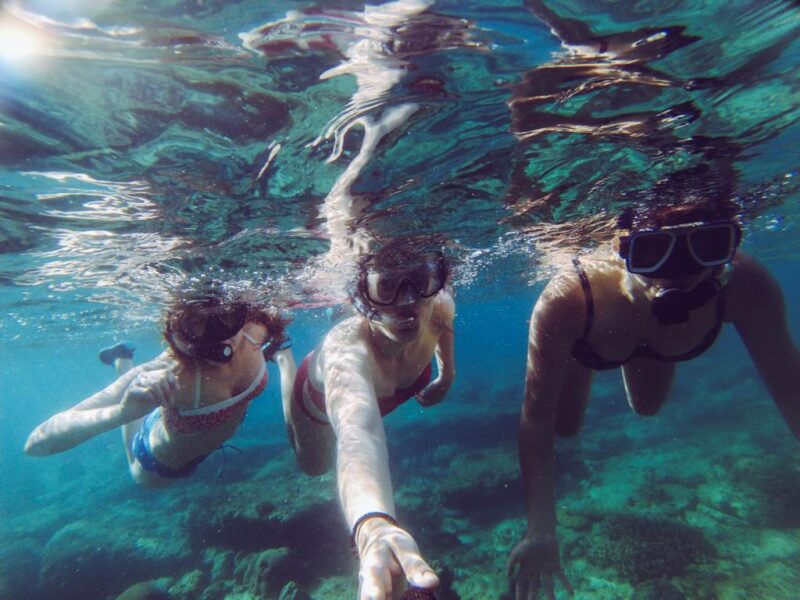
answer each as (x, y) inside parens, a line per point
(116, 414)
(365, 526)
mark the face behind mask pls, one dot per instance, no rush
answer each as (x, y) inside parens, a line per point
(202, 327)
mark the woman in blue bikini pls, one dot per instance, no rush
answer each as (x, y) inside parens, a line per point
(178, 408)
(365, 367)
(658, 297)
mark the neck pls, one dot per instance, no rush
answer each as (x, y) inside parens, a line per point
(382, 343)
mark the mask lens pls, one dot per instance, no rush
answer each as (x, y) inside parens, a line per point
(712, 244)
(649, 250)
(426, 280)
(423, 274)
(382, 287)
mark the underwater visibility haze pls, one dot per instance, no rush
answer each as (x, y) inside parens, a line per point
(148, 144)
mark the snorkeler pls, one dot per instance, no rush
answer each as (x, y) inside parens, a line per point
(178, 408)
(658, 296)
(365, 367)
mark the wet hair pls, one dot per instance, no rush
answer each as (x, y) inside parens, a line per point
(189, 315)
(697, 194)
(400, 252)
(396, 254)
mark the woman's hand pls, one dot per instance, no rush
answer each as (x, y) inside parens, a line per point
(434, 392)
(155, 385)
(531, 564)
(387, 552)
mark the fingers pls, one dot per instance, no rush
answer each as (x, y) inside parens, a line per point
(375, 579)
(563, 579)
(514, 560)
(406, 552)
(419, 573)
(156, 393)
(523, 588)
(392, 553)
(161, 385)
(548, 587)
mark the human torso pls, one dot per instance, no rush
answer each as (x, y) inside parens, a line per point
(200, 420)
(620, 327)
(395, 376)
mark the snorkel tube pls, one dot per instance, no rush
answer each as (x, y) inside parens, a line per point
(363, 306)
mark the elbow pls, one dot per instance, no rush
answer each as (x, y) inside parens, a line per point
(36, 447)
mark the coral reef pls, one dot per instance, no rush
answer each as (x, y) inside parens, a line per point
(777, 487)
(641, 504)
(145, 590)
(642, 549)
(19, 566)
(81, 549)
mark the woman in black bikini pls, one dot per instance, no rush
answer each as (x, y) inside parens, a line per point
(659, 297)
(365, 367)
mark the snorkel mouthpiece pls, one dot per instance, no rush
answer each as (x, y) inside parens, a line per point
(671, 306)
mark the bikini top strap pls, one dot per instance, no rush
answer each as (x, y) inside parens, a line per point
(722, 283)
(197, 384)
(587, 294)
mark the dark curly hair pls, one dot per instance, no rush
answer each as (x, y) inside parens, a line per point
(196, 307)
(691, 195)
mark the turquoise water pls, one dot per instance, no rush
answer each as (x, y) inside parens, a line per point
(143, 143)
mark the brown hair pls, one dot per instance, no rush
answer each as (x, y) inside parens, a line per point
(191, 306)
(687, 196)
(275, 323)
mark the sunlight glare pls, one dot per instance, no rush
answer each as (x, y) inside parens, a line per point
(19, 42)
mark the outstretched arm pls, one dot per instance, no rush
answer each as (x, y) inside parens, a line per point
(757, 309)
(535, 560)
(362, 466)
(131, 396)
(437, 389)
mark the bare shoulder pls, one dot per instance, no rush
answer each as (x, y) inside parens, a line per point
(562, 303)
(444, 308)
(347, 334)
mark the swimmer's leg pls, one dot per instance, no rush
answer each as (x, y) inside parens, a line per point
(121, 355)
(647, 384)
(120, 350)
(314, 443)
(111, 395)
(288, 370)
(574, 398)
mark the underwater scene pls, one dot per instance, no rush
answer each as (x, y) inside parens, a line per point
(383, 192)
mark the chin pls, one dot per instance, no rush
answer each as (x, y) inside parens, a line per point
(687, 281)
(401, 332)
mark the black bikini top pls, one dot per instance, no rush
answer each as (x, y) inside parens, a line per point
(584, 354)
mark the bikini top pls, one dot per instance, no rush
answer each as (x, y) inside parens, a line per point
(585, 355)
(386, 404)
(205, 418)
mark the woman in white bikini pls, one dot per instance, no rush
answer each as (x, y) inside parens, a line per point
(365, 367)
(178, 408)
